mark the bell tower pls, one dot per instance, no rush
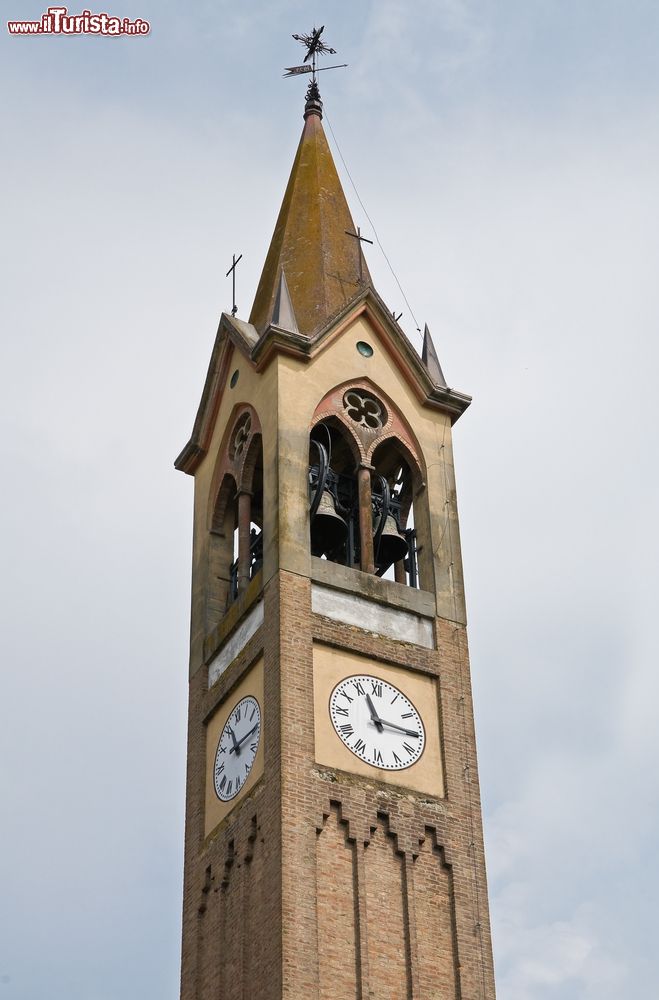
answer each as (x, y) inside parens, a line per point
(333, 826)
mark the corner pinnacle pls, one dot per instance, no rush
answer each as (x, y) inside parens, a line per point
(430, 359)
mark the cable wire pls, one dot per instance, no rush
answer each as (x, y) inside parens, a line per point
(370, 221)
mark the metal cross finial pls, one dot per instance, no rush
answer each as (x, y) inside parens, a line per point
(314, 46)
(232, 272)
(360, 239)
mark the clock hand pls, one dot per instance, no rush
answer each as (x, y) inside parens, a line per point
(236, 744)
(243, 739)
(374, 715)
(401, 729)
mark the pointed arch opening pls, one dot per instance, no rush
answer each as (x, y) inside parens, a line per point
(235, 527)
(368, 507)
(252, 487)
(333, 508)
(223, 544)
(400, 516)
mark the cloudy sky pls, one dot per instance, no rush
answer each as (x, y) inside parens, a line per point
(507, 153)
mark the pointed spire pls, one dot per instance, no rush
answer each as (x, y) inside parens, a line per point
(310, 242)
(430, 359)
(282, 313)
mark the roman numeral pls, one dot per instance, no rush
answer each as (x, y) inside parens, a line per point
(341, 711)
(346, 695)
(223, 782)
(397, 695)
(230, 786)
(236, 714)
(218, 770)
(237, 782)
(360, 745)
(246, 769)
(223, 749)
(252, 747)
(378, 757)
(396, 757)
(358, 687)
(252, 715)
(407, 715)
(347, 730)
(376, 688)
(409, 749)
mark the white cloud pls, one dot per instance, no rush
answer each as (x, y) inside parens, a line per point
(561, 958)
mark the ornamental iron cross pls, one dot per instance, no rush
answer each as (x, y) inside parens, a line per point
(232, 272)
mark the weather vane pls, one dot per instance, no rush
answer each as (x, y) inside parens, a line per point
(314, 48)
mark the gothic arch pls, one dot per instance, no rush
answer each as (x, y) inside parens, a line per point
(237, 453)
(375, 497)
(235, 512)
(366, 438)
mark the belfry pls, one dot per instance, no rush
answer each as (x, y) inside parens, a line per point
(333, 843)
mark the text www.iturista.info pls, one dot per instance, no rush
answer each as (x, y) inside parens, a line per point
(58, 21)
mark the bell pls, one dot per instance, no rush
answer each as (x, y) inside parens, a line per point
(328, 529)
(393, 546)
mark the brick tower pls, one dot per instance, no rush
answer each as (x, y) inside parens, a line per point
(333, 828)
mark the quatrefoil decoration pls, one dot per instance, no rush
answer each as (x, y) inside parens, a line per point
(364, 409)
(241, 436)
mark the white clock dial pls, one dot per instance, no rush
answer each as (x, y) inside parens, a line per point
(237, 748)
(377, 722)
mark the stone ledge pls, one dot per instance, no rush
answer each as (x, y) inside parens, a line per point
(373, 588)
(216, 639)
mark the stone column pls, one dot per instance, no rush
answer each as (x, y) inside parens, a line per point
(365, 519)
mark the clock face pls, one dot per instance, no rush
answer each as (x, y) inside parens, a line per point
(377, 722)
(237, 748)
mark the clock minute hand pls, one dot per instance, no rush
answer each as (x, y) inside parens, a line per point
(401, 729)
(247, 735)
(374, 715)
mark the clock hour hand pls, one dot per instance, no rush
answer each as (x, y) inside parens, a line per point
(236, 744)
(401, 729)
(374, 715)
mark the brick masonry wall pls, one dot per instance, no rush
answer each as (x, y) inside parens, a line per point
(322, 883)
(232, 915)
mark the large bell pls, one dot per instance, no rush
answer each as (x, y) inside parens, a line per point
(392, 547)
(328, 529)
